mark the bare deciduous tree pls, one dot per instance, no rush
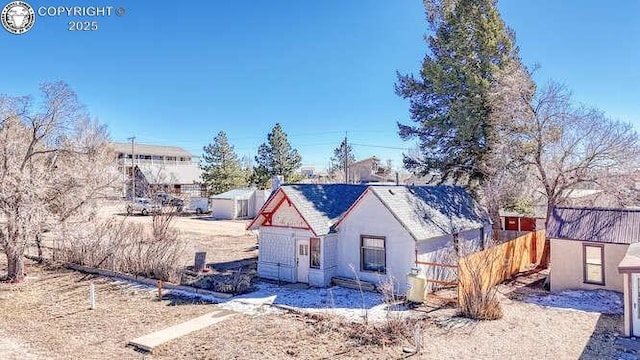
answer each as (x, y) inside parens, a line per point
(55, 162)
(574, 147)
(566, 146)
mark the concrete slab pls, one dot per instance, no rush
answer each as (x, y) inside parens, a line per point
(150, 341)
(296, 286)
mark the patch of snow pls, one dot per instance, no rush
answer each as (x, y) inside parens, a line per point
(600, 301)
(351, 304)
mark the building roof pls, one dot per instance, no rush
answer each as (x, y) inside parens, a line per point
(538, 212)
(235, 194)
(370, 159)
(631, 260)
(425, 211)
(619, 226)
(145, 149)
(321, 205)
(171, 174)
(432, 211)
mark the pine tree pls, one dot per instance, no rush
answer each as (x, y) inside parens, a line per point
(449, 102)
(344, 150)
(223, 170)
(276, 157)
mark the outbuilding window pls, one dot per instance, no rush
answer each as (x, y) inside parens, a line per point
(372, 253)
(315, 253)
(593, 264)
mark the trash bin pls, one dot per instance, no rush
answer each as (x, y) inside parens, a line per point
(416, 285)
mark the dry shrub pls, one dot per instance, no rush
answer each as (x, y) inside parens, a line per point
(477, 293)
(392, 331)
(236, 282)
(126, 247)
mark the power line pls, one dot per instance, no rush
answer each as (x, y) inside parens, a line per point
(381, 146)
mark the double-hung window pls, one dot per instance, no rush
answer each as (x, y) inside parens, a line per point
(372, 254)
(593, 264)
(314, 244)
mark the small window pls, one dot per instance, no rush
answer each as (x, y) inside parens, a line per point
(315, 253)
(373, 254)
(593, 264)
(303, 250)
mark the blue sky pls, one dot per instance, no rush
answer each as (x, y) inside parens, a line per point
(178, 74)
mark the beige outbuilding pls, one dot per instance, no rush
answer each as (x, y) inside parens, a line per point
(597, 248)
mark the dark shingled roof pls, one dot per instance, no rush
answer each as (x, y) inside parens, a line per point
(425, 211)
(432, 211)
(619, 226)
(322, 204)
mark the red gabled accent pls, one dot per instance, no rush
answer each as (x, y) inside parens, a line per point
(299, 213)
(268, 215)
(267, 218)
(262, 209)
(346, 213)
(284, 197)
(287, 227)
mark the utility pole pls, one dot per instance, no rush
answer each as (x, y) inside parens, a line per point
(346, 159)
(133, 167)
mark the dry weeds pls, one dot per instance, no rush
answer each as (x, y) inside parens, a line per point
(48, 317)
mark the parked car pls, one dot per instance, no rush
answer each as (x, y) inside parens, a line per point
(168, 199)
(197, 204)
(143, 206)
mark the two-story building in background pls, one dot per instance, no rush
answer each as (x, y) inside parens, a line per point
(158, 168)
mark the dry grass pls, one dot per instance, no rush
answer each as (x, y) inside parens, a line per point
(49, 317)
(224, 241)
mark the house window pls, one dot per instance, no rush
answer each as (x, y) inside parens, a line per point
(593, 264)
(315, 253)
(372, 254)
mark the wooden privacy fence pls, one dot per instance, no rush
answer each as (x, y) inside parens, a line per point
(492, 266)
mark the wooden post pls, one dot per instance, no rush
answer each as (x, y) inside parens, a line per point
(159, 289)
(92, 296)
(200, 261)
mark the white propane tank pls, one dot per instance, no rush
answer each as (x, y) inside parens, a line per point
(416, 285)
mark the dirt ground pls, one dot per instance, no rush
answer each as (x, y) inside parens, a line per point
(226, 242)
(48, 317)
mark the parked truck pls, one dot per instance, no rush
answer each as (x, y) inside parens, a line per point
(197, 204)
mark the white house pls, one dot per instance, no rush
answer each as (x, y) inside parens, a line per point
(238, 203)
(312, 233)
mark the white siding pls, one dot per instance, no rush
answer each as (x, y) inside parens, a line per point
(277, 252)
(223, 209)
(288, 216)
(328, 262)
(371, 217)
(441, 250)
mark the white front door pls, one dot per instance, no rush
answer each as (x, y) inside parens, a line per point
(635, 300)
(302, 260)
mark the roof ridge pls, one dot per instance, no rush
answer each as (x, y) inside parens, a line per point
(598, 208)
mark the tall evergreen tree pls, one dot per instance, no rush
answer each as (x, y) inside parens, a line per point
(276, 157)
(223, 170)
(342, 152)
(449, 101)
